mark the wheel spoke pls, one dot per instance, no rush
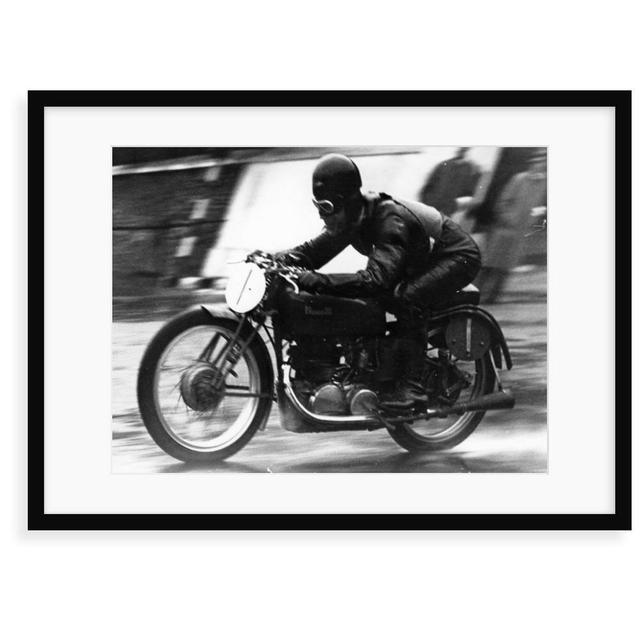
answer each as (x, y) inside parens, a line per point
(210, 348)
(191, 410)
(455, 381)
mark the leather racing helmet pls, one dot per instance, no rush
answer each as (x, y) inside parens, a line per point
(335, 178)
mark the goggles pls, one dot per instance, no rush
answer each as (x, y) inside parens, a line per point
(326, 208)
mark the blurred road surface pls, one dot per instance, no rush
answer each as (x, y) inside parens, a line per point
(505, 441)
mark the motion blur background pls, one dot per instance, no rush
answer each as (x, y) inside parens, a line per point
(180, 215)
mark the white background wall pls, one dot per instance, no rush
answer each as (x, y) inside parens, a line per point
(285, 585)
(277, 195)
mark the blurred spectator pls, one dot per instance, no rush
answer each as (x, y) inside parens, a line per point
(521, 203)
(450, 179)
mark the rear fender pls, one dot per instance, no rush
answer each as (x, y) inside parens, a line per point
(498, 345)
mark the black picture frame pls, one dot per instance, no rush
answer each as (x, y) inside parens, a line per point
(38, 101)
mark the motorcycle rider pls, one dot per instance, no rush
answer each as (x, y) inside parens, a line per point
(416, 257)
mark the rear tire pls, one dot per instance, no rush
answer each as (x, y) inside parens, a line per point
(260, 373)
(408, 437)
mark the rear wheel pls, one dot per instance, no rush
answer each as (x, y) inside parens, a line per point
(460, 381)
(188, 411)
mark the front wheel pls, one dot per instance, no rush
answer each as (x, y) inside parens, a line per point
(194, 404)
(465, 381)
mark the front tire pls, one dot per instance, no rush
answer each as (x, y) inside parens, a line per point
(179, 407)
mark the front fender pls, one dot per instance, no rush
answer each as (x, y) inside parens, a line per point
(216, 310)
(499, 344)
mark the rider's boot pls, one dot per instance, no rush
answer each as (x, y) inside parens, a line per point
(412, 342)
(409, 391)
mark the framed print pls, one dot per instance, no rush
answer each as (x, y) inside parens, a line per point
(330, 310)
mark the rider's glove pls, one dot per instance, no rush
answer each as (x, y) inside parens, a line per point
(292, 259)
(259, 254)
(312, 281)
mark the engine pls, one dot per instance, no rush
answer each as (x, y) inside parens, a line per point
(337, 377)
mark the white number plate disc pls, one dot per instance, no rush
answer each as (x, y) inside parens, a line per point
(245, 288)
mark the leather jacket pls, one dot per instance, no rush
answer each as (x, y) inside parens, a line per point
(401, 239)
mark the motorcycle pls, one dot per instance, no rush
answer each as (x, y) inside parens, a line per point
(206, 382)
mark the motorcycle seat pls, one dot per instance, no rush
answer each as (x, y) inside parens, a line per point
(467, 295)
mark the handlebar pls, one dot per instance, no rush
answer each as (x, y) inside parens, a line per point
(272, 266)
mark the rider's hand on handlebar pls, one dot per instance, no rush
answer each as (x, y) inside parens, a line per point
(259, 254)
(291, 259)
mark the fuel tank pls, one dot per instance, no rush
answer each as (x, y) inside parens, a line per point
(306, 314)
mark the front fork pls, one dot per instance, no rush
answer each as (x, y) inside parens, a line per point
(229, 356)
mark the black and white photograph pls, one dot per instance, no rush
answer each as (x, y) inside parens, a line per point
(351, 316)
(329, 309)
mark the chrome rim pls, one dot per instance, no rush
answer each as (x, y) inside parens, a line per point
(191, 411)
(436, 430)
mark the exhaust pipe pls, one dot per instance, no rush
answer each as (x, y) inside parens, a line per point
(500, 400)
